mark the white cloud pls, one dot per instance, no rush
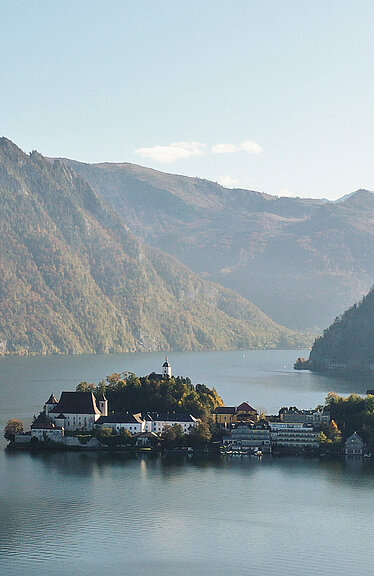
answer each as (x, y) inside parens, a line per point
(251, 147)
(228, 182)
(248, 146)
(224, 148)
(185, 150)
(172, 152)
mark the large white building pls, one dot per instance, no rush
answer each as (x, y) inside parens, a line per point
(76, 410)
(294, 435)
(134, 423)
(155, 422)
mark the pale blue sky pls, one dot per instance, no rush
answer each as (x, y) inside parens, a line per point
(99, 80)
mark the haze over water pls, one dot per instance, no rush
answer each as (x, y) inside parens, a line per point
(132, 515)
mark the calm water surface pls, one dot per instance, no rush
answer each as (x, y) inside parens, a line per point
(92, 514)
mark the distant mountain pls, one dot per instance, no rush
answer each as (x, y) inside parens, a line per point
(73, 278)
(356, 192)
(348, 344)
(300, 260)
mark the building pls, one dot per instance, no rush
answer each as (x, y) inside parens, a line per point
(155, 422)
(76, 410)
(224, 415)
(354, 445)
(166, 372)
(146, 439)
(249, 437)
(294, 435)
(227, 415)
(166, 369)
(45, 431)
(245, 413)
(134, 423)
(315, 417)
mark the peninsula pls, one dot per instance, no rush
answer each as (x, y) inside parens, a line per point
(163, 412)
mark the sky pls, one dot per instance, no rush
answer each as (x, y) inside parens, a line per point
(275, 96)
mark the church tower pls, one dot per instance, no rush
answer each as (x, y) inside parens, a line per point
(166, 369)
(102, 404)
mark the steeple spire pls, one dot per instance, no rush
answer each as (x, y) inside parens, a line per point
(166, 368)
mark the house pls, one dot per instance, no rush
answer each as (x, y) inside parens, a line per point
(245, 413)
(227, 415)
(44, 431)
(146, 439)
(354, 445)
(224, 415)
(155, 422)
(134, 423)
(76, 410)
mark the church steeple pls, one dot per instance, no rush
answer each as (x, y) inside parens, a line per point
(166, 369)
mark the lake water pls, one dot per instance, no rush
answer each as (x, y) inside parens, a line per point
(92, 514)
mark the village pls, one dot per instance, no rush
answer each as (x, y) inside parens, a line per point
(83, 420)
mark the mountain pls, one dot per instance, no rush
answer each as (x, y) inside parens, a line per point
(73, 277)
(300, 260)
(348, 344)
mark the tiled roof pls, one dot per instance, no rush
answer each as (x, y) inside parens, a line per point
(51, 400)
(44, 426)
(169, 417)
(225, 410)
(245, 407)
(76, 403)
(120, 418)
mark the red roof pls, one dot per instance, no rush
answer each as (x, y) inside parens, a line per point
(245, 407)
(44, 426)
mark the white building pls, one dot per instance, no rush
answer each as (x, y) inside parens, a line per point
(45, 431)
(76, 410)
(315, 417)
(354, 445)
(166, 369)
(157, 423)
(134, 423)
(294, 435)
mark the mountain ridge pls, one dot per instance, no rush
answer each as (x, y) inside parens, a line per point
(300, 260)
(75, 279)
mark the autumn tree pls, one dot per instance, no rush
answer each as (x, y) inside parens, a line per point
(13, 427)
(86, 387)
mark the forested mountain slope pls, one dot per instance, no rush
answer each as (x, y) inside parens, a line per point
(348, 344)
(300, 260)
(73, 278)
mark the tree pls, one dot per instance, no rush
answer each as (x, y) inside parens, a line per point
(334, 433)
(103, 434)
(201, 435)
(125, 436)
(173, 436)
(85, 387)
(13, 427)
(322, 438)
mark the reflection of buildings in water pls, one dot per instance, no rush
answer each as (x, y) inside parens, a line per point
(354, 463)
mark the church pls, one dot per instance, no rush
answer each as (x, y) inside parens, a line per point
(76, 410)
(165, 374)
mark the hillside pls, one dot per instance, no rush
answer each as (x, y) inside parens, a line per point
(74, 279)
(348, 344)
(302, 261)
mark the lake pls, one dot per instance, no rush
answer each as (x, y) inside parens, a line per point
(91, 514)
